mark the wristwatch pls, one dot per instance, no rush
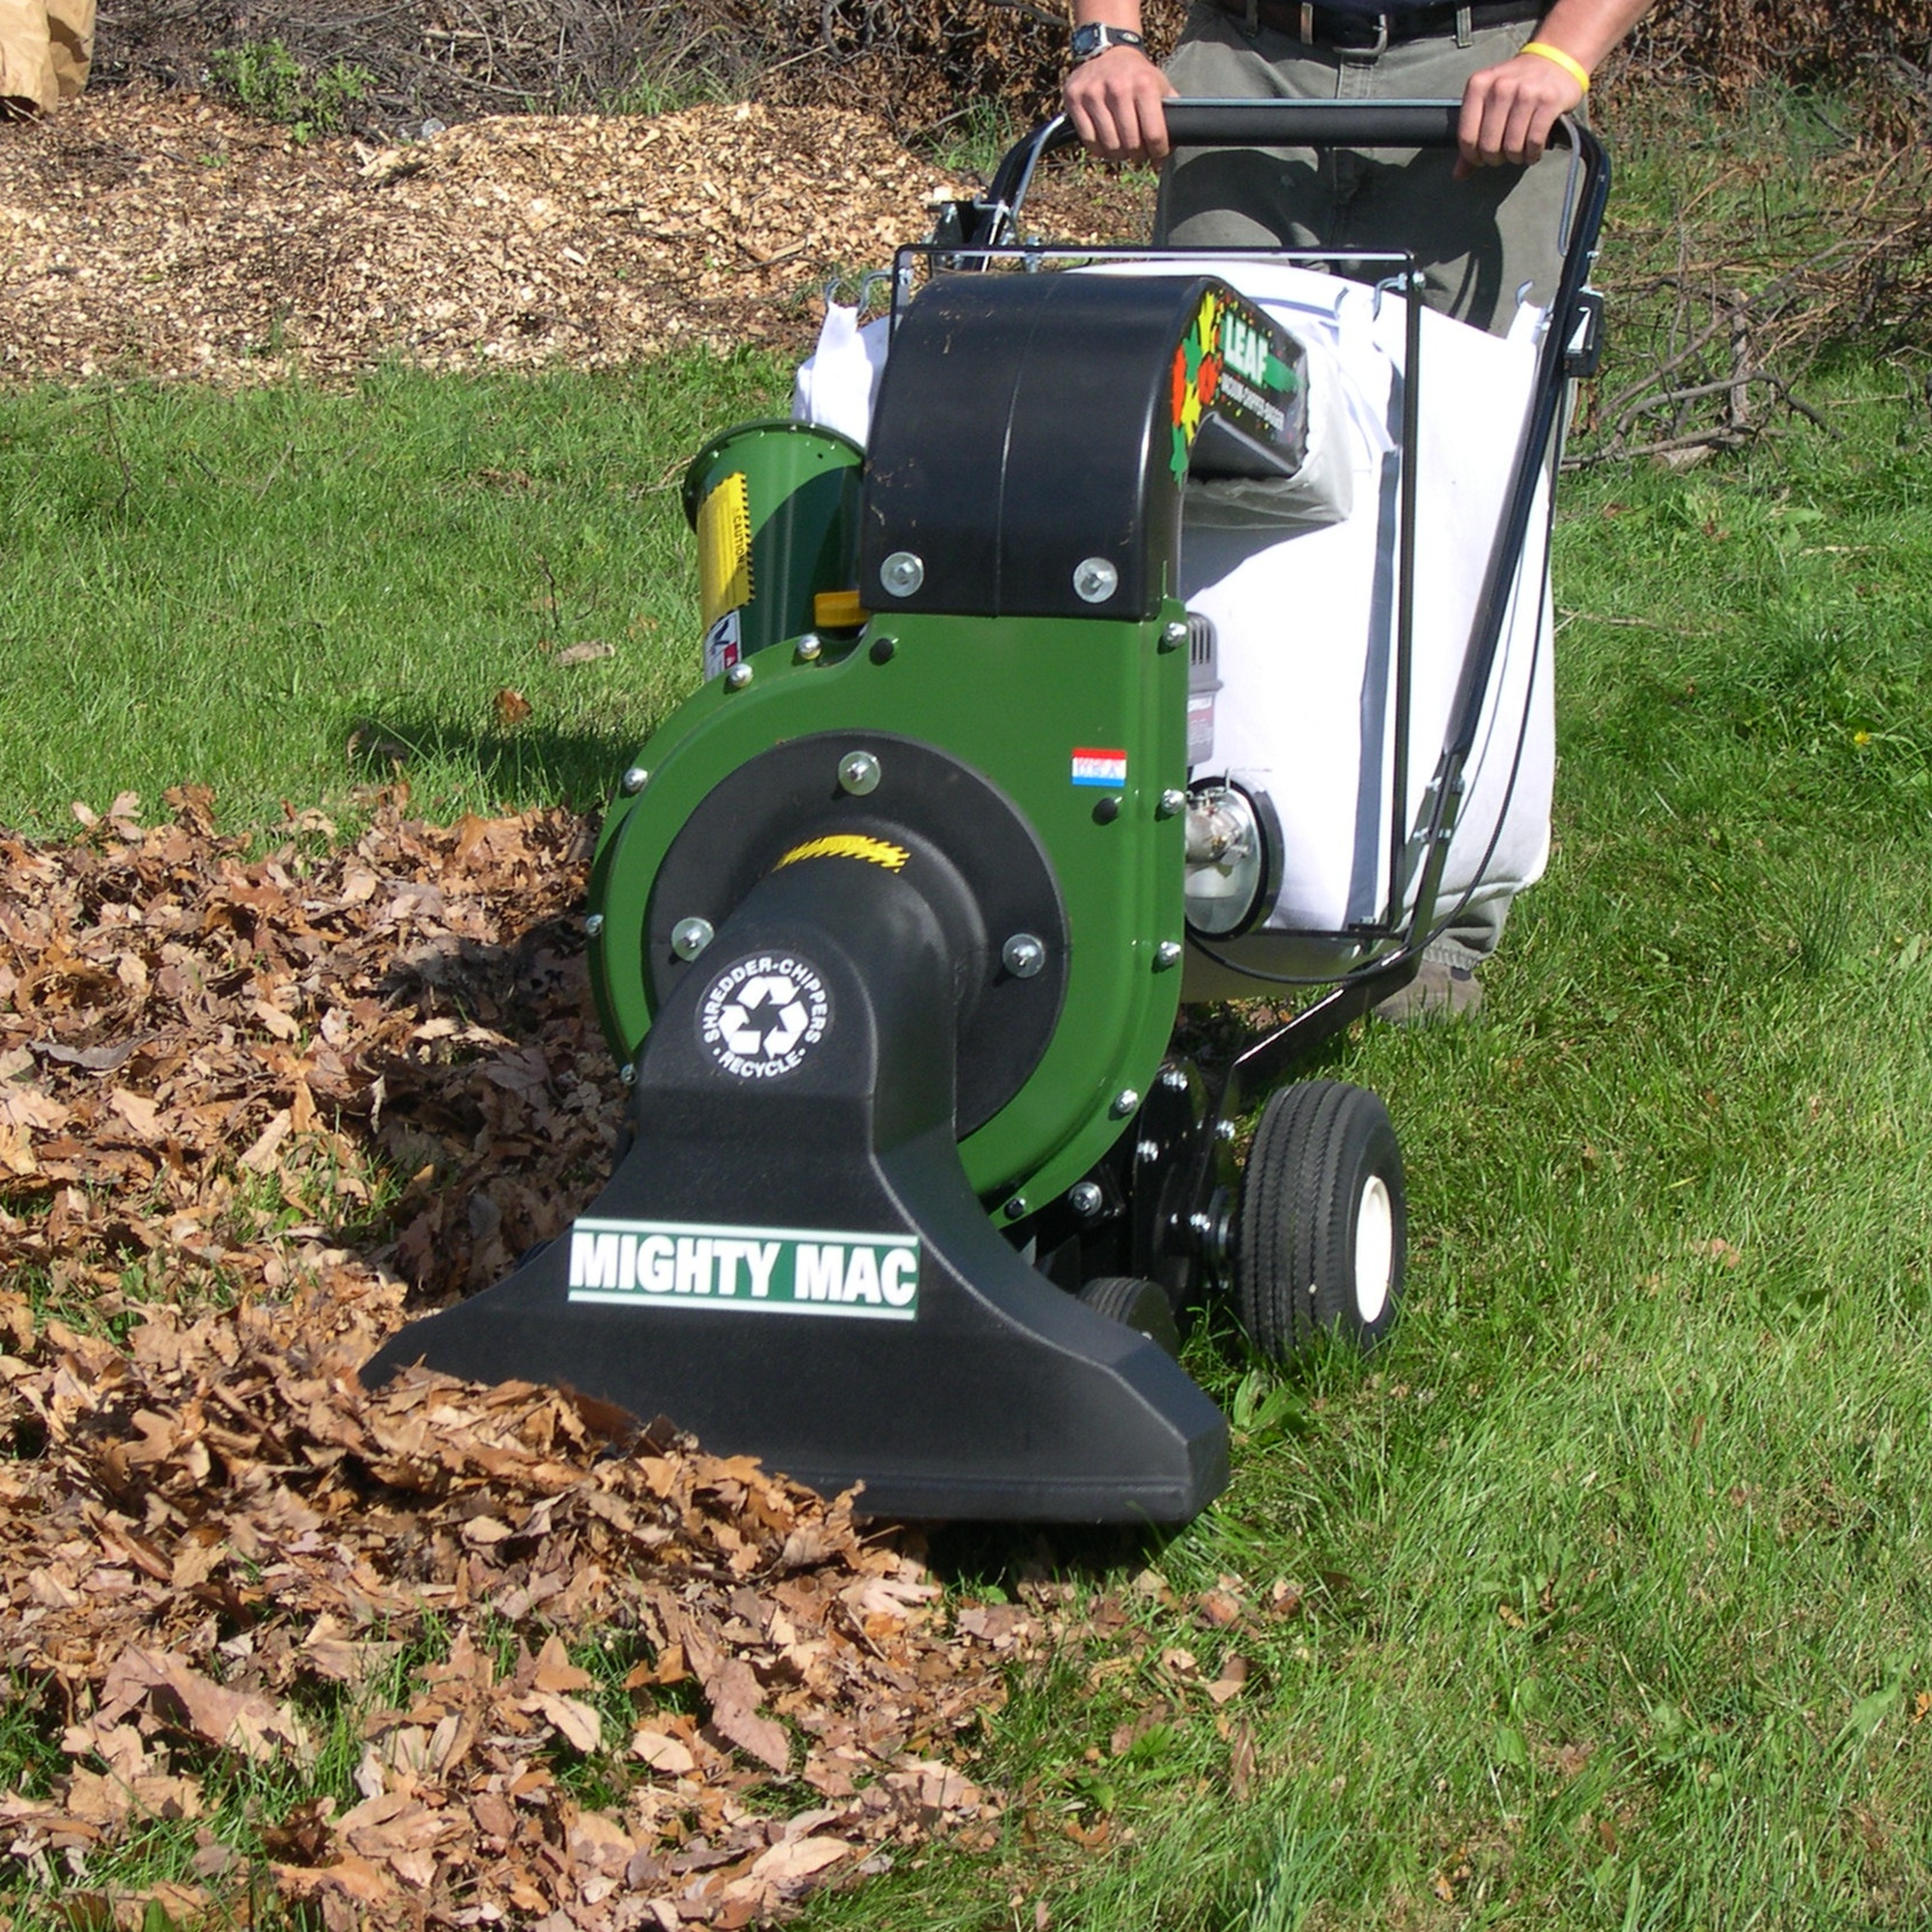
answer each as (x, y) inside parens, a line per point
(1093, 39)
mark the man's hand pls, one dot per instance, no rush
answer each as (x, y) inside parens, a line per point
(1114, 101)
(1509, 110)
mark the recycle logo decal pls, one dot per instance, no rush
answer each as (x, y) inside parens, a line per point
(761, 1016)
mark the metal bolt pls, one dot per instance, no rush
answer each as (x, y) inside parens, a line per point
(738, 676)
(1023, 955)
(1174, 637)
(1147, 1152)
(1175, 1080)
(1125, 1103)
(628, 1075)
(689, 937)
(1172, 803)
(902, 573)
(808, 649)
(1094, 580)
(1166, 954)
(859, 773)
(1084, 1197)
(1015, 1207)
(1211, 1233)
(593, 925)
(634, 780)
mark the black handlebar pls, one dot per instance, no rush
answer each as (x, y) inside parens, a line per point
(1270, 123)
(1312, 124)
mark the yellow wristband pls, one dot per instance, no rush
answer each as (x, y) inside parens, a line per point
(1568, 63)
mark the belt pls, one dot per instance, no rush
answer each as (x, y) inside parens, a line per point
(1328, 27)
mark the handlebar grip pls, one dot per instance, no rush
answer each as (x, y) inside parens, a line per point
(1312, 124)
(1322, 124)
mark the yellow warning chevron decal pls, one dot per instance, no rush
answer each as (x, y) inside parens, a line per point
(848, 845)
(724, 549)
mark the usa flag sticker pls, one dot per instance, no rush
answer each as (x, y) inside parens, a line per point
(1099, 768)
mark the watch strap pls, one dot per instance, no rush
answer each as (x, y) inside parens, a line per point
(1096, 39)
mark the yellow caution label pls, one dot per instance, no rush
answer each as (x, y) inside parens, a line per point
(724, 549)
(848, 845)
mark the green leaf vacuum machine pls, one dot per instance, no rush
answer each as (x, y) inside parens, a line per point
(1104, 628)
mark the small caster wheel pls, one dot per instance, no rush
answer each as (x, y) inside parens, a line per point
(1321, 1232)
(1140, 1304)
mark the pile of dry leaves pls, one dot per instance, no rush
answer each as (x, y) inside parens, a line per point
(209, 1064)
(215, 1070)
(163, 236)
(218, 1523)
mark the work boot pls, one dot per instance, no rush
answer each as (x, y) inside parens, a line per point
(1439, 991)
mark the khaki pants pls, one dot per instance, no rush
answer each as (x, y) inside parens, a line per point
(1477, 241)
(45, 49)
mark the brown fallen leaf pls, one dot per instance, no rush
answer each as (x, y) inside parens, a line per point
(734, 1696)
(576, 1722)
(273, 1020)
(1229, 1684)
(140, 1113)
(261, 1155)
(794, 1859)
(1241, 1760)
(1217, 1608)
(587, 652)
(511, 707)
(556, 1671)
(357, 1877)
(303, 1837)
(661, 1753)
(109, 1800)
(243, 1721)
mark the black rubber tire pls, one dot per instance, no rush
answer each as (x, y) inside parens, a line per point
(1325, 1174)
(1140, 1303)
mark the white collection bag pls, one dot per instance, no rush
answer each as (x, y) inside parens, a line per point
(1305, 606)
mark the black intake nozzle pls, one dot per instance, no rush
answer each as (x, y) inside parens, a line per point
(790, 1263)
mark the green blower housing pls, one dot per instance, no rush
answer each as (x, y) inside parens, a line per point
(888, 921)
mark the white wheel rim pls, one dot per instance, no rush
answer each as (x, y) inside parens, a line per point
(1374, 1250)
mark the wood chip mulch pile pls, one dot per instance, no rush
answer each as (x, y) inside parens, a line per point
(160, 235)
(218, 1068)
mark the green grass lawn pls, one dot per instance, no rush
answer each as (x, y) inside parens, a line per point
(281, 593)
(1616, 1568)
